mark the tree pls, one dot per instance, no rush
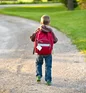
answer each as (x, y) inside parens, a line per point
(70, 4)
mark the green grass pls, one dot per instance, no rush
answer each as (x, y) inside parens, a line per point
(72, 23)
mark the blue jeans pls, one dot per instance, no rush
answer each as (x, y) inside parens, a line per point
(48, 66)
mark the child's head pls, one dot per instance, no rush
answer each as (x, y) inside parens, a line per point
(45, 20)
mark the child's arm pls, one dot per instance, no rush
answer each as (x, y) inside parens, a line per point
(33, 37)
(55, 38)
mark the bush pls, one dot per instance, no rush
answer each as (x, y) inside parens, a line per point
(82, 4)
(75, 3)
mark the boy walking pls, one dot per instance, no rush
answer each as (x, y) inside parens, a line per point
(43, 39)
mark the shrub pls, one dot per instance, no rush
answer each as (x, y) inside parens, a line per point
(82, 4)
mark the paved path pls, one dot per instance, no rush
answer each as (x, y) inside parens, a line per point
(17, 64)
(19, 5)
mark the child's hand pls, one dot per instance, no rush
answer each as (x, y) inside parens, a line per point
(32, 37)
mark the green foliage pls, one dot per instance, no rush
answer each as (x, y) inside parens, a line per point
(82, 4)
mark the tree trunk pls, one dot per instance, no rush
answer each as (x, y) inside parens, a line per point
(70, 4)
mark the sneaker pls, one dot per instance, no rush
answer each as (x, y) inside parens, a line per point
(38, 78)
(48, 83)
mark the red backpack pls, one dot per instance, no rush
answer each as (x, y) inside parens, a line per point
(43, 44)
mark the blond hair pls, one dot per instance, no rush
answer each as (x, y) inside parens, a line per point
(45, 20)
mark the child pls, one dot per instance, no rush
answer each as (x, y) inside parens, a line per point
(45, 21)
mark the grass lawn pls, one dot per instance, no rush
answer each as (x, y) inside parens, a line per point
(72, 23)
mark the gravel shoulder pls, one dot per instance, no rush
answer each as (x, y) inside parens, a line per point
(17, 63)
